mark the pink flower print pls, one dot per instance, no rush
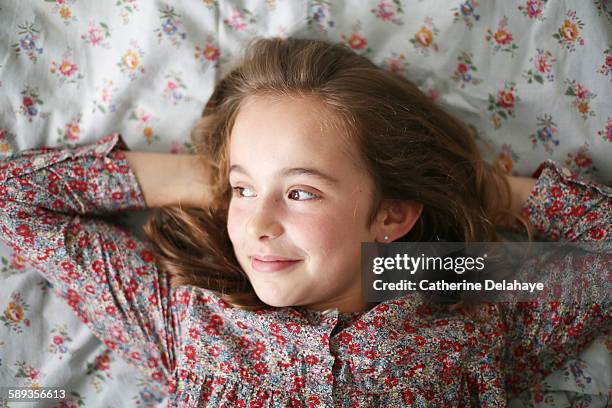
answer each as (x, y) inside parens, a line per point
(383, 13)
(580, 91)
(58, 340)
(395, 66)
(502, 36)
(72, 131)
(533, 8)
(105, 95)
(357, 42)
(17, 262)
(237, 21)
(67, 68)
(542, 63)
(27, 101)
(210, 53)
(606, 132)
(95, 35)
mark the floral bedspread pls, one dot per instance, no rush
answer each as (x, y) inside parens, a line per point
(532, 77)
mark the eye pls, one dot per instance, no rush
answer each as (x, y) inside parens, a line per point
(295, 194)
(238, 191)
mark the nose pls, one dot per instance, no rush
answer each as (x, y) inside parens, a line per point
(264, 222)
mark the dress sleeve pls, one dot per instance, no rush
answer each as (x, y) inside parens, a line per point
(51, 203)
(543, 335)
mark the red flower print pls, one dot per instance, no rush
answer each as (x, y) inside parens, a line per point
(245, 343)
(261, 368)
(462, 68)
(408, 328)
(407, 397)
(354, 348)
(579, 210)
(73, 297)
(502, 36)
(345, 338)
(298, 382)
(313, 401)
(390, 382)
(259, 346)
(357, 42)
(244, 373)
(102, 363)
(214, 351)
(597, 234)
(382, 308)
(420, 341)
(190, 353)
(360, 325)
(554, 208)
(184, 298)
(505, 99)
(280, 340)
(53, 189)
(27, 101)
(293, 328)
(23, 230)
(58, 340)
(378, 321)
(194, 333)
(312, 360)
(117, 196)
(592, 216)
(111, 310)
(147, 256)
(157, 376)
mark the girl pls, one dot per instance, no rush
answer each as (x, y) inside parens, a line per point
(248, 291)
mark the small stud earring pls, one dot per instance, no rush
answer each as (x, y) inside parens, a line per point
(386, 237)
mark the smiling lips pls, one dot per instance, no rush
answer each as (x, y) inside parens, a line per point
(268, 263)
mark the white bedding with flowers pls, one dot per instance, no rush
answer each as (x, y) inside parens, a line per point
(533, 78)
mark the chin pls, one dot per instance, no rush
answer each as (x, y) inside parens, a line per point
(273, 300)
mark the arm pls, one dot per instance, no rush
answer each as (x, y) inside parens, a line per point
(170, 179)
(48, 202)
(542, 336)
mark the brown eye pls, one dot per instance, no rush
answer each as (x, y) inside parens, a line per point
(295, 195)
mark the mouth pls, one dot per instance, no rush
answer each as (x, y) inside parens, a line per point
(272, 264)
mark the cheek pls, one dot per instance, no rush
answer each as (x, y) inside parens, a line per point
(234, 222)
(325, 236)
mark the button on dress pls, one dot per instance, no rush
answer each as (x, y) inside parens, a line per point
(402, 352)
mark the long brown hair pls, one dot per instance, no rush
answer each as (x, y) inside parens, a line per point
(413, 149)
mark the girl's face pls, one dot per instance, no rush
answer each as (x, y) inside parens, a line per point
(297, 195)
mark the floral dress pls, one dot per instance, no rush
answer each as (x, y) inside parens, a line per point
(402, 352)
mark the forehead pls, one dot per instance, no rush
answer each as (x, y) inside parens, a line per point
(288, 129)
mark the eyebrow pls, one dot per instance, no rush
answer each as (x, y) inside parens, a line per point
(293, 171)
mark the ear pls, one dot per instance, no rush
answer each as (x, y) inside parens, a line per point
(396, 218)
